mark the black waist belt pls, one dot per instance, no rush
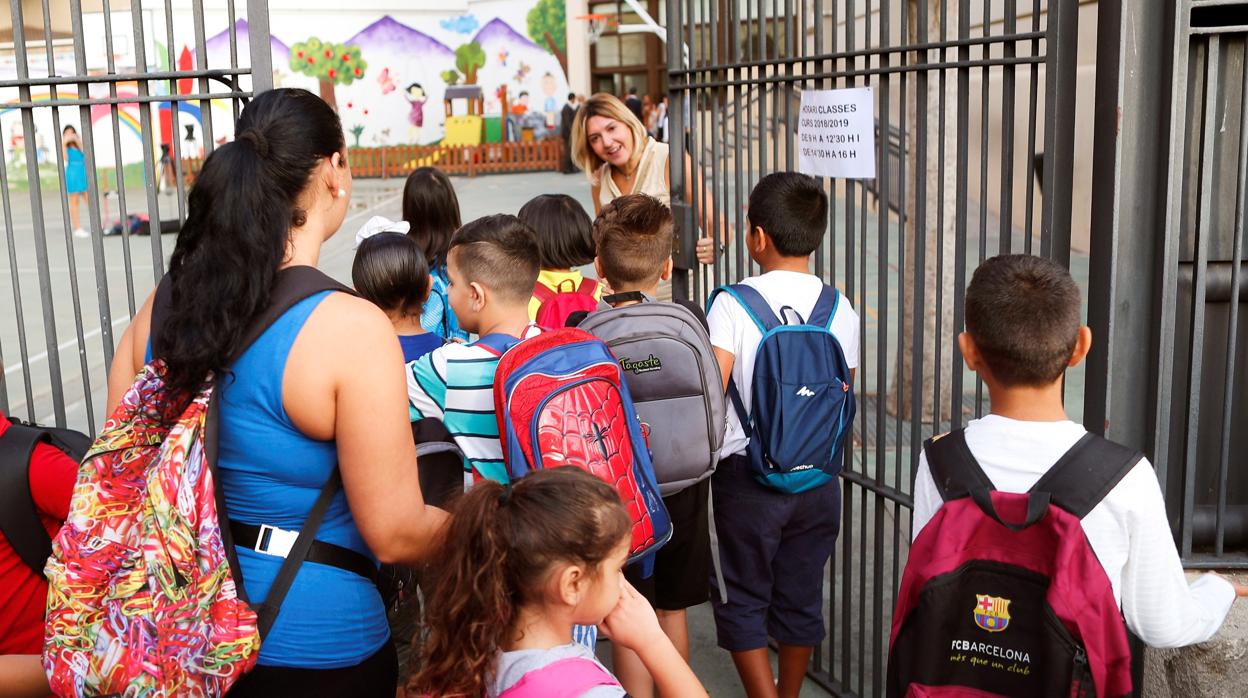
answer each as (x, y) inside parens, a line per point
(276, 542)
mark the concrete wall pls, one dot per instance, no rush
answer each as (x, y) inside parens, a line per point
(1215, 669)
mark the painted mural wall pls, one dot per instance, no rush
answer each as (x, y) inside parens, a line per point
(387, 71)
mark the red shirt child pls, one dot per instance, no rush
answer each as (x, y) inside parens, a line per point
(24, 594)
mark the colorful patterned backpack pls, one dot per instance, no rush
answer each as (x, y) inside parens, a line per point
(145, 596)
(561, 400)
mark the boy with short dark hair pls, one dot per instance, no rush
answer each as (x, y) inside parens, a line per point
(773, 545)
(492, 265)
(633, 237)
(1023, 331)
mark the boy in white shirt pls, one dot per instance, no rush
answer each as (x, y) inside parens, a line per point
(1022, 331)
(773, 545)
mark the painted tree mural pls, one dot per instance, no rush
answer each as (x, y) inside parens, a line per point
(548, 24)
(469, 58)
(331, 64)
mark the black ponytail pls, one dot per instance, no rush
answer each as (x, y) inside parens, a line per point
(237, 229)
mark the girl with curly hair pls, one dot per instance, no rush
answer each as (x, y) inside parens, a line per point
(524, 564)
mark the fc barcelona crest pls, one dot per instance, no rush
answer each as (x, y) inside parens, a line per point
(992, 613)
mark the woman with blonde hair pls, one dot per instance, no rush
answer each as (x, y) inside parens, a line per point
(612, 147)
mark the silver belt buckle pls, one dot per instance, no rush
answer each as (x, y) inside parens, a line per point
(275, 541)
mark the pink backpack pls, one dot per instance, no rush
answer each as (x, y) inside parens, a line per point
(145, 598)
(558, 303)
(566, 678)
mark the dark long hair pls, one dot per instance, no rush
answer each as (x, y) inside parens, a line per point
(432, 209)
(564, 230)
(239, 217)
(390, 271)
(502, 544)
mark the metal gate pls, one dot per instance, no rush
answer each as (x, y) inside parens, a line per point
(974, 133)
(137, 74)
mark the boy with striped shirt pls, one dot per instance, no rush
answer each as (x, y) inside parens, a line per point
(492, 265)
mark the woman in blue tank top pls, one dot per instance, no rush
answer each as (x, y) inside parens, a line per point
(322, 388)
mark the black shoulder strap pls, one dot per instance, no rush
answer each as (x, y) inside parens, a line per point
(954, 470)
(19, 519)
(1081, 478)
(293, 285)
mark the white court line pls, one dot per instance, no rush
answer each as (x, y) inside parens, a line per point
(67, 344)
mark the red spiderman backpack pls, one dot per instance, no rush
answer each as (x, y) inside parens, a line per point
(561, 400)
(560, 302)
(1002, 593)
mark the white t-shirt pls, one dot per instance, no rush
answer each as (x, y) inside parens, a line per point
(1128, 530)
(734, 331)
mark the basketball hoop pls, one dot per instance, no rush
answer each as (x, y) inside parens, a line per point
(598, 24)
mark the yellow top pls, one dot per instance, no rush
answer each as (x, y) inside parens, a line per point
(553, 279)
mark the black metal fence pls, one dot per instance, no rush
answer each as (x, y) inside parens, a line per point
(1168, 281)
(975, 118)
(53, 271)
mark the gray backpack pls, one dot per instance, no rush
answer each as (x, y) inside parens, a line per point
(675, 384)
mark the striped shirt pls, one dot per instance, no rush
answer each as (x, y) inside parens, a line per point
(455, 383)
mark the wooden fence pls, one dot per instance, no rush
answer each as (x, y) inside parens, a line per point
(473, 160)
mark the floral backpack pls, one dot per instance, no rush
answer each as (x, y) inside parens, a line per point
(145, 596)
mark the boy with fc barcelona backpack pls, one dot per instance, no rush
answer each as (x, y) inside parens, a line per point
(1037, 545)
(787, 346)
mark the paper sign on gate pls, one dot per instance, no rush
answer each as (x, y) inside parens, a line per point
(836, 133)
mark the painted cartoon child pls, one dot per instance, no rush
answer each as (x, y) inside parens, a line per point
(416, 97)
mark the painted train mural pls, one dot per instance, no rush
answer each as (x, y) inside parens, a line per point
(388, 80)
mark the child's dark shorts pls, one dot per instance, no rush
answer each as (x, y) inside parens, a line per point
(773, 548)
(682, 566)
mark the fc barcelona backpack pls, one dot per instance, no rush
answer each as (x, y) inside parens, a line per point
(1002, 593)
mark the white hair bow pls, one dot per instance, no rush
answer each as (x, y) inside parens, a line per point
(380, 224)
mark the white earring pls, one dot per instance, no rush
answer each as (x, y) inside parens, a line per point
(341, 192)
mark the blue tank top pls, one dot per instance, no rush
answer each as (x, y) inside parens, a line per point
(271, 473)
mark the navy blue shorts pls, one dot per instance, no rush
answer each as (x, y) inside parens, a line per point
(773, 548)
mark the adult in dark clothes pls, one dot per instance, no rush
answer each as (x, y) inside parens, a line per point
(633, 102)
(566, 116)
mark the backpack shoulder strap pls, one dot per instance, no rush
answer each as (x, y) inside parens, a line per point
(825, 308)
(1085, 474)
(19, 518)
(754, 304)
(542, 292)
(588, 286)
(496, 343)
(954, 470)
(566, 678)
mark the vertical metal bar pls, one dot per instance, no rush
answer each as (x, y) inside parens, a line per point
(1033, 75)
(920, 250)
(1061, 64)
(201, 61)
(175, 110)
(18, 305)
(1168, 283)
(119, 168)
(262, 54)
(88, 147)
(939, 336)
(146, 132)
(741, 148)
(233, 33)
(985, 76)
(1232, 332)
(36, 215)
(717, 168)
(1196, 343)
(960, 203)
(1006, 207)
(675, 120)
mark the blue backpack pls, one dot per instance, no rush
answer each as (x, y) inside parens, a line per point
(441, 321)
(802, 398)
